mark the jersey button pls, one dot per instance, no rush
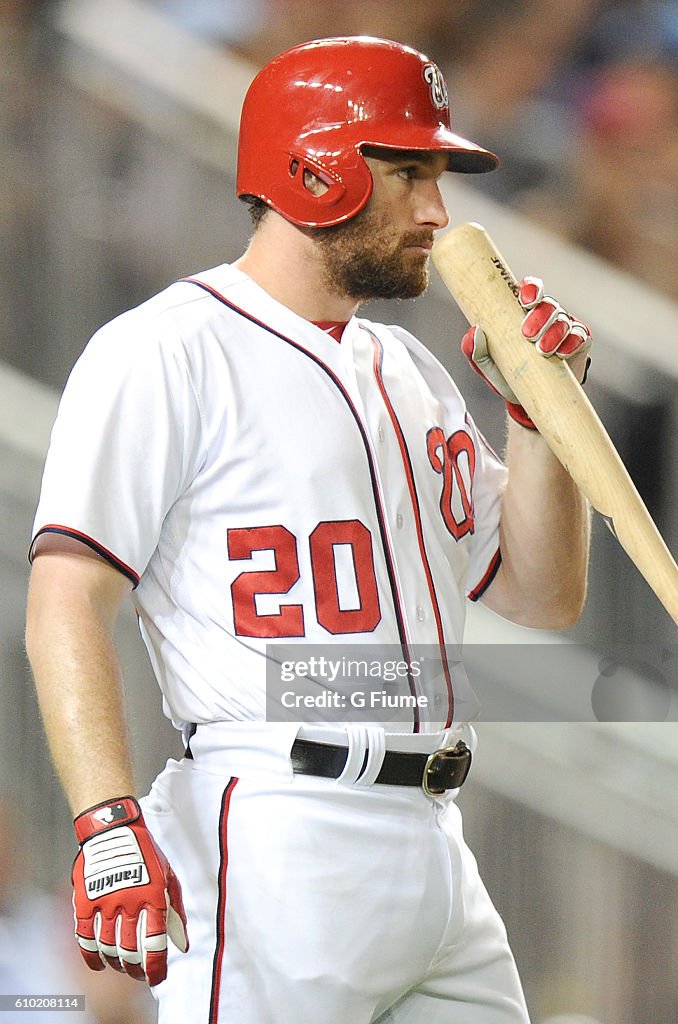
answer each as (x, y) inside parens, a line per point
(399, 521)
(380, 433)
(420, 614)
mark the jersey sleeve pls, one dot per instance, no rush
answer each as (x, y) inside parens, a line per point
(125, 444)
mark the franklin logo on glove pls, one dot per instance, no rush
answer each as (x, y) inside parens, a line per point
(101, 882)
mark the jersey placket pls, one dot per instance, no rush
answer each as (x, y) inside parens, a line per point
(399, 499)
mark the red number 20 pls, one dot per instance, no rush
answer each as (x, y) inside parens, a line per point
(289, 621)
(445, 456)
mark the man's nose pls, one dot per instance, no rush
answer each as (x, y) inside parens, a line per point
(431, 209)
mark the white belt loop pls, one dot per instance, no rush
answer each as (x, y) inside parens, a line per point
(357, 746)
(376, 748)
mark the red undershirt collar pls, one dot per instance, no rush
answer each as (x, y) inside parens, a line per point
(335, 328)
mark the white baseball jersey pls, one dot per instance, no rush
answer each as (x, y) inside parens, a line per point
(260, 482)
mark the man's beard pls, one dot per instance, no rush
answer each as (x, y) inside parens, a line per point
(365, 258)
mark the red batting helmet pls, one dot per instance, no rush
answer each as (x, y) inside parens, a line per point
(313, 107)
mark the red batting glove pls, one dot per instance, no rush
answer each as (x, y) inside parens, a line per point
(553, 331)
(474, 347)
(547, 325)
(126, 898)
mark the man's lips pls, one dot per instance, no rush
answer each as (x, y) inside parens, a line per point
(424, 242)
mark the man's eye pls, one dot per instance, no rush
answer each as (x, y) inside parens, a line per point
(408, 173)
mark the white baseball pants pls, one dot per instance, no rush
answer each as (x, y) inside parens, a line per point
(311, 900)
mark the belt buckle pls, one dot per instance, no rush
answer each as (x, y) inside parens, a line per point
(459, 753)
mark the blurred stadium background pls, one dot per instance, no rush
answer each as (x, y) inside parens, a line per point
(119, 123)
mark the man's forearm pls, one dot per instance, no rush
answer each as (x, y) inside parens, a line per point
(79, 687)
(545, 532)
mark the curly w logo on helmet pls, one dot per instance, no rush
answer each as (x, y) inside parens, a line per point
(436, 82)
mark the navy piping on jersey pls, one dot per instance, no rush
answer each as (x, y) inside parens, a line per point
(409, 473)
(108, 556)
(491, 572)
(375, 491)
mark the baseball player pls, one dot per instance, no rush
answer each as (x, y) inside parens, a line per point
(260, 466)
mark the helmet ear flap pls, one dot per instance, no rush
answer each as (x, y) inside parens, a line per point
(324, 192)
(315, 180)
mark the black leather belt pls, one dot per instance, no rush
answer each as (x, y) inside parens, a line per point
(443, 769)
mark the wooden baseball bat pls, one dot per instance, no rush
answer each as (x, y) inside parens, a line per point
(487, 294)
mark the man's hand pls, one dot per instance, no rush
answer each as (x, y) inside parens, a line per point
(126, 898)
(553, 332)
